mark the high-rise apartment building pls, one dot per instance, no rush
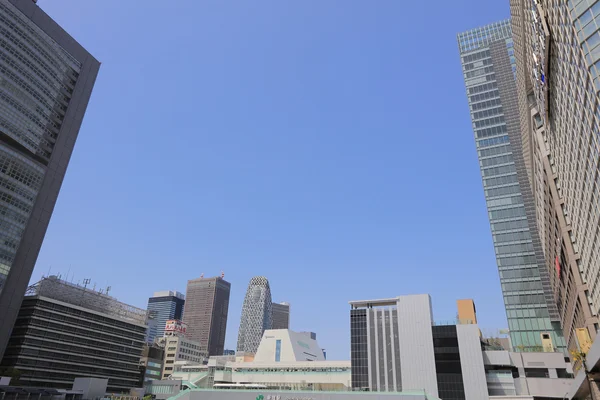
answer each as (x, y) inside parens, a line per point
(163, 306)
(558, 68)
(205, 313)
(281, 315)
(489, 69)
(256, 315)
(46, 79)
(65, 331)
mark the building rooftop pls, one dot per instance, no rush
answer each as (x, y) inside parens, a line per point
(57, 289)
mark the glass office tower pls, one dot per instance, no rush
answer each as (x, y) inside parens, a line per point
(163, 306)
(489, 71)
(46, 80)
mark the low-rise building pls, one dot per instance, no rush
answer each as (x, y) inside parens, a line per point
(397, 346)
(284, 360)
(179, 348)
(152, 362)
(537, 374)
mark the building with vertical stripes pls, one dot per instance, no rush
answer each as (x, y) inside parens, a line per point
(397, 347)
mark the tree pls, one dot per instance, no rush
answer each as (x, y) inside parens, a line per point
(13, 373)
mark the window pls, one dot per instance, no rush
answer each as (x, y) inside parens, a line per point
(278, 350)
(536, 373)
(562, 373)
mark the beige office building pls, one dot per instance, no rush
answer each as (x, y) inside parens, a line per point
(558, 67)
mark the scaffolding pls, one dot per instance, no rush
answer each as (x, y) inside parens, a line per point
(55, 288)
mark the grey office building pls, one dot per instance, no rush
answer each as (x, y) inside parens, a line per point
(205, 313)
(395, 346)
(64, 331)
(46, 79)
(489, 69)
(281, 315)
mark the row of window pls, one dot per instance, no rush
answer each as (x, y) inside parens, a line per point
(493, 131)
(486, 104)
(509, 225)
(479, 72)
(502, 191)
(493, 151)
(487, 113)
(525, 299)
(492, 141)
(512, 237)
(501, 180)
(505, 169)
(514, 248)
(488, 122)
(471, 65)
(483, 88)
(521, 286)
(474, 99)
(476, 56)
(520, 273)
(516, 261)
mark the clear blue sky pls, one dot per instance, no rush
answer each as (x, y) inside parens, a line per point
(324, 144)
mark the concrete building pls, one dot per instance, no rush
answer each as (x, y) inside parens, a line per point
(539, 375)
(163, 306)
(46, 80)
(489, 69)
(169, 389)
(205, 313)
(396, 346)
(281, 316)
(557, 87)
(256, 314)
(152, 362)
(284, 360)
(180, 348)
(65, 331)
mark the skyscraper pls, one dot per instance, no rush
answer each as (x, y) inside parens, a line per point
(164, 306)
(281, 315)
(558, 68)
(46, 79)
(205, 313)
(256, 314)
(489, 70)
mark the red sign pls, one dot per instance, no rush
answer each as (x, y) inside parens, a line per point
(557, 266)
(175, 326)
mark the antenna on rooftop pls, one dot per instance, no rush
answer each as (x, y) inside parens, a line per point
(108, 288)
(222, 275)
(86, 282)
(202, 275)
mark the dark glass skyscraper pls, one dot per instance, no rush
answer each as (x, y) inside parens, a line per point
(46, 79)
(205, 313)
(489, 70)
(164, 306)
(281, 316)
(256, 315)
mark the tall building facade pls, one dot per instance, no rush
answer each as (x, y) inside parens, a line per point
(65, 331)
(46, 80)
(205, 313)
(164, 306)
(558, 68)
(281, 315)
(489, 70)
(256, 315)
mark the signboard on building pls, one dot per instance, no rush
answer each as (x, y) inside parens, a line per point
(175, 327)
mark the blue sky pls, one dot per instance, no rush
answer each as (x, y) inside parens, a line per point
(324, 144)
